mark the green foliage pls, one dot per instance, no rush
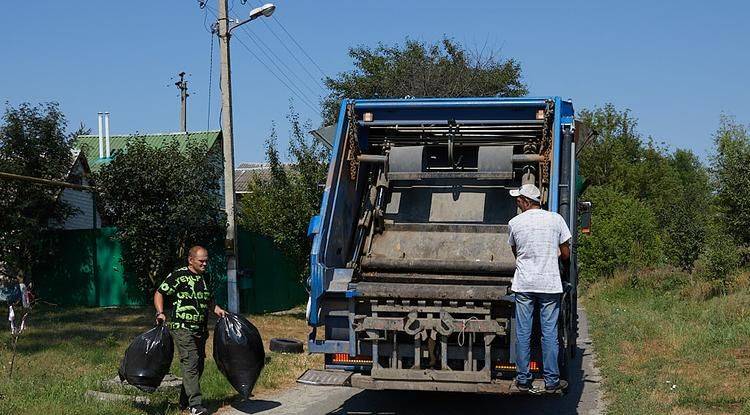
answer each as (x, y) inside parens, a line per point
(730, 169)
(721, 258)
(421, 69)
(674, 185)
(607, 159)
(625, 234)
(686, 211)
(280, 205)
(162, 200)
(33, 143)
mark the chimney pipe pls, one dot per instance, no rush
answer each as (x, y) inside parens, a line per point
(101, 137)
(106, 131)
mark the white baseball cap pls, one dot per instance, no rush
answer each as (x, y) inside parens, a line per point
(528, 191)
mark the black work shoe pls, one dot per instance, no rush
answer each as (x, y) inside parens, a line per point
(525, 387)
(198, 410)
(561, 386)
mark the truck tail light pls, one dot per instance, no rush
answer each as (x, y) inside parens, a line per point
(511, 367)
(344, 358)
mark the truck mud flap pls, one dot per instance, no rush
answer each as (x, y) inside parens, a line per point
(325, 378)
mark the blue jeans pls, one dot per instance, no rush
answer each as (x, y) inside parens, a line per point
(549, 310)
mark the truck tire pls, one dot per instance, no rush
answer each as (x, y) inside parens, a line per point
(565, 338)
(564, 359)
(286, 345)
(573, 325)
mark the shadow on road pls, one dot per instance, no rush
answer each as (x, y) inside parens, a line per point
(255, 406)
(370, 402)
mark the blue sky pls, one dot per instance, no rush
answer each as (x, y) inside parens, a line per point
(676, 65)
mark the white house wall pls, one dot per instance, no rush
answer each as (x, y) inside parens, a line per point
(81, 201)
(83, 204)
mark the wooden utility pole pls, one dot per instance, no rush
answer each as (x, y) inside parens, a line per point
(228, 148)
(182, 86)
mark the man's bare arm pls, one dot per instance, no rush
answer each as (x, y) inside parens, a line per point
(159, 306)
(565, 254)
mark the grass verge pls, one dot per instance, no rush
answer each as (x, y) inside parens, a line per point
(666, 345)
(66, 351)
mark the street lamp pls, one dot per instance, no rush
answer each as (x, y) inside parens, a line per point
(265, 10)
(225, 27)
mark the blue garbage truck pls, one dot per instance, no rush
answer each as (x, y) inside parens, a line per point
(410, 266)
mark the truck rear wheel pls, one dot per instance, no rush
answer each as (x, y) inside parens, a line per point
(565, 355)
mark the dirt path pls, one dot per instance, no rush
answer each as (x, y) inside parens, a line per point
(584, 397)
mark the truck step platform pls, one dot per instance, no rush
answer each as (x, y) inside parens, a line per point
(325, 378)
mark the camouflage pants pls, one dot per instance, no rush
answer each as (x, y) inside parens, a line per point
(191, 347)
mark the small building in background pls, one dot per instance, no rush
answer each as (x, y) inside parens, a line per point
(92, 146)
(246, 172)
(84, 215)
(89, 144)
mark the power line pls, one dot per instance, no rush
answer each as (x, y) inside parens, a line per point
(202, 5)
(209, 8)
(281, 71)
(294, 56)
(276, 76)
(301, 96)
(299, 46)
(214, 12)
(254, 36)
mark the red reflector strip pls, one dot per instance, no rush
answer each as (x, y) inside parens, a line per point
(344, 358)
(533, 366)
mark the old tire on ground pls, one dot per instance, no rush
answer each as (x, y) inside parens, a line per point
(286, 345)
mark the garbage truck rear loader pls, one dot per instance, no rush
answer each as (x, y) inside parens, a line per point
(410, 265)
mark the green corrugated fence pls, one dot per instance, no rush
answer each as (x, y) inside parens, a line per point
(269, 281)
(86, 270)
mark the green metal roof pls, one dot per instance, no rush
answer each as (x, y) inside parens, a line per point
(89, 144)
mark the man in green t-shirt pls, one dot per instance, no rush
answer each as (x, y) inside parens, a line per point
(188, 298)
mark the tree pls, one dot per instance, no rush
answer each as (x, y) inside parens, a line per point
(626, 235)
(162, 201)
(616, 147)
(674, 185)
(730, 171)
(33, 143)
(280, 206)
(688, 217)
(420, 69)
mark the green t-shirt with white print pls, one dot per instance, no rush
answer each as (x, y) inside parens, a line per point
(187, 297)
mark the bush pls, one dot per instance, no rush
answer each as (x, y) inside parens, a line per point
(625, 235)
(279, 205)
(721, 258)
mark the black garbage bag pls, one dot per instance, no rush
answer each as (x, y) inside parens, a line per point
(238, 352)
(147, 359)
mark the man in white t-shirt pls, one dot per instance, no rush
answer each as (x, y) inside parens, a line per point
(536, 236)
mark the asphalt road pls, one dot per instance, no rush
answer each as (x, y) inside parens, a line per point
(583, 397)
